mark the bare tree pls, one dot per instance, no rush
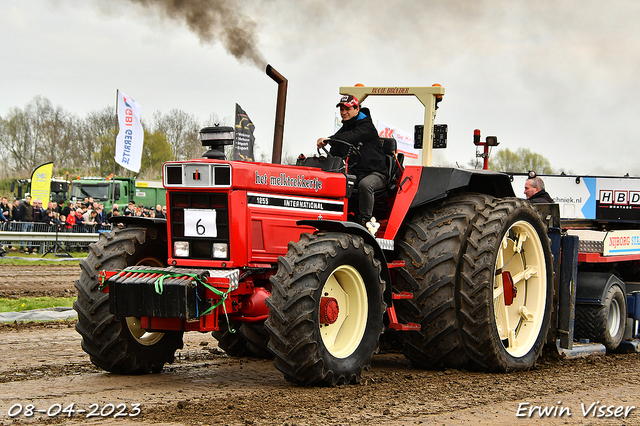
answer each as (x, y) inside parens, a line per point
(16, 140)
(38, 134)
(98, 136)
(181, 130)
(41, 133)
(54, 123)
(71, 149)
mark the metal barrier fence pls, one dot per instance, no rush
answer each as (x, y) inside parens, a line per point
(43, 238)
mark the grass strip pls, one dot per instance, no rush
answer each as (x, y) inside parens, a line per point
(29, 303)
(13, 258)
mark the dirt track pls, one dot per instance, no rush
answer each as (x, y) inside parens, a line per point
(33, 281)
(44, 365)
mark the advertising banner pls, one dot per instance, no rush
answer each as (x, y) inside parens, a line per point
(412, 156)
(41, 183)
(244, 139)
(622, 243)
(131, 135)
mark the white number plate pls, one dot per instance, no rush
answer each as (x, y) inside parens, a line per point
(200, 223)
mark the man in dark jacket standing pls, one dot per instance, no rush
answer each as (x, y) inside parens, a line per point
(369, 168)
(39, 215)
(535, 192)
(26, 210)
(26, 216)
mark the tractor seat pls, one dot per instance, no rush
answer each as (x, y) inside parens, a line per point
(394, 168)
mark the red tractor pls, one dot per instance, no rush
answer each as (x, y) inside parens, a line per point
(265, 256)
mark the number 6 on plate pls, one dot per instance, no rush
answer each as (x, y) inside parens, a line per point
(200, 223)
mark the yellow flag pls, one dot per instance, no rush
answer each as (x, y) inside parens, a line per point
(41, 182)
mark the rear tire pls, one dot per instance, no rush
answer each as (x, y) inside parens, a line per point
(315, 270)
(603, 324)
(257, 338)
(230, 342)
(248, 340)
(431, 248)
(115, 343)
(507, 237)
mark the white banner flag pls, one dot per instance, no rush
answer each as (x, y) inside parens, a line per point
(412, 156)
(131, 136)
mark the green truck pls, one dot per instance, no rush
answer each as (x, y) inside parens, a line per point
(119, 190)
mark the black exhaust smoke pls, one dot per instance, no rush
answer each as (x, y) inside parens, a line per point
(214, 21)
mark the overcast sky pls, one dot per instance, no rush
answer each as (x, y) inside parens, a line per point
(559, 77)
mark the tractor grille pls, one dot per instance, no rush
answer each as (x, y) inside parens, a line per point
(200, 247)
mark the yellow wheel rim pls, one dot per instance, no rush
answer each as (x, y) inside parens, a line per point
(142, 336)
(342, 337)
(521, 255)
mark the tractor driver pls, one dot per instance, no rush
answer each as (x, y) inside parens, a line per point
(369, 169)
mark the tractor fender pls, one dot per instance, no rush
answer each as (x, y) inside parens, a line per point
(437, 182)
(592, 287)
(356, 229)
(143, 222)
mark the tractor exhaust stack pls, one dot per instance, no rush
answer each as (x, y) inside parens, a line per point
(278, 133)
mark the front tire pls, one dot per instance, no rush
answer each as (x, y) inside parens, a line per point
(326, 309)
(505, 294)
(115, 343)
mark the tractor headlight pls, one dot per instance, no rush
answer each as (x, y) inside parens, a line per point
(220, 250)
(181, 248)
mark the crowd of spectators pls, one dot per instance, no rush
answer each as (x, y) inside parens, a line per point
(64, 216)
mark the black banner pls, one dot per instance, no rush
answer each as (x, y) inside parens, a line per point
(244, 139)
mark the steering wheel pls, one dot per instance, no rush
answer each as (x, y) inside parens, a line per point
(352, 149)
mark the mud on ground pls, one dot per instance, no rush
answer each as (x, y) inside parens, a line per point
(37, 281)
(44, 365)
